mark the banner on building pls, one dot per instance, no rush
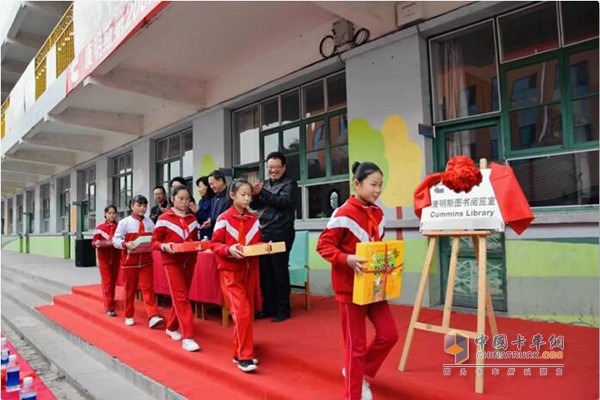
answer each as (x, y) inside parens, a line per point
(130, 18)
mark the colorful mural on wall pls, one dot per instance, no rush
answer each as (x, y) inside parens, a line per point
(400, 158)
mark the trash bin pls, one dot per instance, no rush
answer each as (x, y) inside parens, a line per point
(85, 254)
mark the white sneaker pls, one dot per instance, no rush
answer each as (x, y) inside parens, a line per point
(155, 321)
(129, 321)
(173, 334)
(366, 387)
(190, 345)
(236, 361)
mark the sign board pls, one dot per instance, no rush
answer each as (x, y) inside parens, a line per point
(477, 209)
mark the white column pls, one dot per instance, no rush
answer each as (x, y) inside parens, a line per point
(212, 141)
(141, 164)
(103, 187)
(15, 215)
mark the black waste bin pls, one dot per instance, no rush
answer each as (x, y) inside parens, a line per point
(85, 254)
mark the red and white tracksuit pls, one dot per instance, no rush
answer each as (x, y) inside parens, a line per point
(239, 278)
(108, 258)
(137, 267)
(173, 228)
(352, 223)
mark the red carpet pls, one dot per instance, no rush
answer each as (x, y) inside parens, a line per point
(302, 358)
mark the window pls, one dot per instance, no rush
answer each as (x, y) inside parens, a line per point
(308, 124)
(20, 214)
(87, 179)
(30, 211)
(122, 172)
(464, 73)
(543, 96)
(174, 158)
(9, 208)
(529, 31)
(45, 201)
(63, 187)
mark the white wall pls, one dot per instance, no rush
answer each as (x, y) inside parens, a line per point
(211, 138)
(89, 17)
(142, 164)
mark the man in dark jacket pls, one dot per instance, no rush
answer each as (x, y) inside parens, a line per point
(220, 202)
(162, 204)
(274, 202)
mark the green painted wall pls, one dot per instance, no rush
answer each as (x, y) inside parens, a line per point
(531, 258)
(11, 245)
(51, 246)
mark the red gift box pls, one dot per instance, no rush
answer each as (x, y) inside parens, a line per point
(188, 247)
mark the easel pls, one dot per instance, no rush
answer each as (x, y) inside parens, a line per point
(484, 299)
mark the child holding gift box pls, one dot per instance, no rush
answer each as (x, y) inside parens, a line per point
(137, 267)
(108, 258)
(177, 226)
(234, 228)
(358, 220)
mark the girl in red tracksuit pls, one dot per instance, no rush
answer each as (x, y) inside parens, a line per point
(358, 220)
(234, 228)
(137, 267)
(177, 226)
(108, 258)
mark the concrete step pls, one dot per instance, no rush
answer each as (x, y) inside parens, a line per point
(92, 371)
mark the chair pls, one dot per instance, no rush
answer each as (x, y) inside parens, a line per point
(299, 270)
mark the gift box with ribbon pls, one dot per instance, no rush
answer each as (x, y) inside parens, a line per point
(382, 279)
(263, 248)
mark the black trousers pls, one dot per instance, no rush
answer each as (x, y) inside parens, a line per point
(275, 275)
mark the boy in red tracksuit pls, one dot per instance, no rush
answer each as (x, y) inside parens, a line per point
(108, 258)
(234, 228)
(137, 267)
(358, 220)
(177, 226)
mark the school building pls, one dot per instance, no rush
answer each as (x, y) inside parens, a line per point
(105, 100)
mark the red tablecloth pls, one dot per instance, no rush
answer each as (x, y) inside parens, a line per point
(43, 393)
(205, 288)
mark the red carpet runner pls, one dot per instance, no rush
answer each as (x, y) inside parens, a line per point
(302, 357)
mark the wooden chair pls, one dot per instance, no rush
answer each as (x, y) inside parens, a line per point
(299, 270)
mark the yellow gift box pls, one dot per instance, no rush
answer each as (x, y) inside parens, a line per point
(262, 248)
(382, 279)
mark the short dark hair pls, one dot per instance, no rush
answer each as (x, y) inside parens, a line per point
(177, 179)
(209, 192)
(139, 199)
(161, 188)
(108, 207)
(277, 155)
(364, 169)
(216, 174)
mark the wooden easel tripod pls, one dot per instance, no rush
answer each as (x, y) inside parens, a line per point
(484, 299)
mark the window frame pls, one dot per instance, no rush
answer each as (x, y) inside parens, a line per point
(303, 181)
(63, 185)
(122, 209)
(170, 159)
(502, 116)
(45, 207)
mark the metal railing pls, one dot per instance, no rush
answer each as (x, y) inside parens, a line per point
(62, 37)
